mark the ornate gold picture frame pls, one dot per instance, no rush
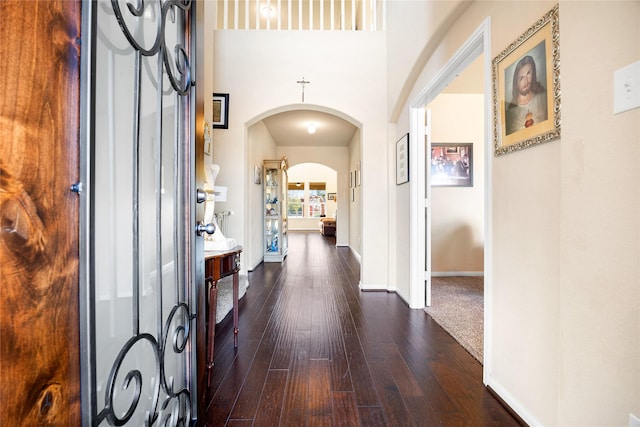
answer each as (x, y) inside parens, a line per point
(526, 88)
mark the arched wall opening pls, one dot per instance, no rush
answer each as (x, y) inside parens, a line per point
(313, 191)
(260, 145)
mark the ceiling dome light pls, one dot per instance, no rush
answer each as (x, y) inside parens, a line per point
(311, 128)
(267, 12)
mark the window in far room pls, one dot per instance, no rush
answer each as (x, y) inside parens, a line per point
(306, 199)
(295, 199)
(317, 199)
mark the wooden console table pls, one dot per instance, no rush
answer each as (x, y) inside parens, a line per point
(219, 264)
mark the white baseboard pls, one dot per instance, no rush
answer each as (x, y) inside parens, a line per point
(356, 254)
(513, 403)
(372, 286)
(456, 273)
(255, 266)
(406, 301)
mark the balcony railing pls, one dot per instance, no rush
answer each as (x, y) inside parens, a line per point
(328, 15)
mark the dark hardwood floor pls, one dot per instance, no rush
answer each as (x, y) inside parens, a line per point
(316, 351)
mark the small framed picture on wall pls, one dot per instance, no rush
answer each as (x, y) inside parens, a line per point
(220, 119)
(402, 160)
(452, 164)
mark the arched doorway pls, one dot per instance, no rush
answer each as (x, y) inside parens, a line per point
(284, 132)
(312, 195)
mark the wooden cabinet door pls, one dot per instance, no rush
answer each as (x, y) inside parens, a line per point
(39, 133)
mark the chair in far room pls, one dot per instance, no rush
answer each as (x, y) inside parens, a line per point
(328, 226)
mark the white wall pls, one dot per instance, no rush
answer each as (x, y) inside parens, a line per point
(600, 218)
(357, 215)
(260, 147)
(347, 71)
(457, 213)
(413, 28)
(313, 172)
(565, 302)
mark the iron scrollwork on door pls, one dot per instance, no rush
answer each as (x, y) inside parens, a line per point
(181, 59)
(149, 381)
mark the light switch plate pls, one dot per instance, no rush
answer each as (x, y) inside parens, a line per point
(634, 421)
(626, 88)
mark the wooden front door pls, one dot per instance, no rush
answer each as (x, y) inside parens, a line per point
(39, 140)
(96, 307)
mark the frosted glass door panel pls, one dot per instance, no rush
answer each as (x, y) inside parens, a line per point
(141, 312)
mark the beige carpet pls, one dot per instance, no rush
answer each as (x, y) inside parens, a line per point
(225, 295)
(457, 304)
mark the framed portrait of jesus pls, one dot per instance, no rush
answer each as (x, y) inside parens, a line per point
(526, 88)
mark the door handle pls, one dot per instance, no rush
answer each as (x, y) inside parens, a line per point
(205, 228)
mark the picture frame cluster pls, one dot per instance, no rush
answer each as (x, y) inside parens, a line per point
(355, 180)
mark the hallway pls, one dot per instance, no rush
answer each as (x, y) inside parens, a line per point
(315, 350)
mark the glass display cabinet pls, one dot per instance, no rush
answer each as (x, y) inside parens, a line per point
(275, 210)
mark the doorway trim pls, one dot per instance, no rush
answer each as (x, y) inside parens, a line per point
(478, 43)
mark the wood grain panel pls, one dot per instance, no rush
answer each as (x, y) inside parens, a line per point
(270, 406)
(39, 133)
(339, 367)
(288, 315)
(360, 376)
(345, 411)
(372, 416)
(319, 407)
(319, 340)
(390, 396)
(247, 402)
(232, 366)
(294, 408)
